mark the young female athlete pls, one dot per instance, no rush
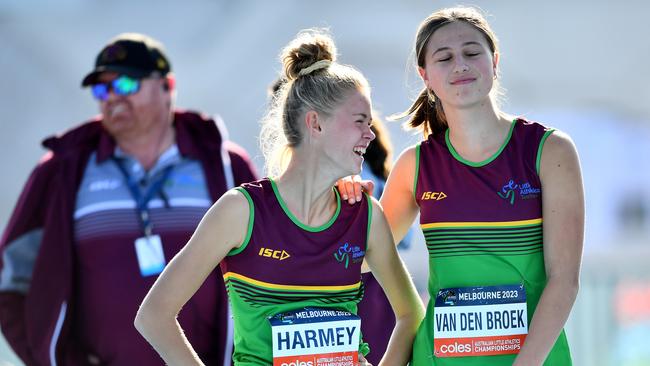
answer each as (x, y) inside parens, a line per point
(501, 207)
(290, 252)
(375, 311)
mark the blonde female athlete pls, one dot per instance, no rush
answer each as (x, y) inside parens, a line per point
(290, 252)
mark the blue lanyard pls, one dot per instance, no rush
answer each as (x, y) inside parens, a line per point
(142, 199)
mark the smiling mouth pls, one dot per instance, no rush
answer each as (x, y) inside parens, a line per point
(462, 81)
(359, 150)
(116, 110)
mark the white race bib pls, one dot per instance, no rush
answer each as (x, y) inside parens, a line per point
(480, 321)
(316, 337)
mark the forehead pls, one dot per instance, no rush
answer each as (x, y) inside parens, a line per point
(454, 35)
(355, 102)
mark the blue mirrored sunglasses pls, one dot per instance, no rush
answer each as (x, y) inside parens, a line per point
(122, 85)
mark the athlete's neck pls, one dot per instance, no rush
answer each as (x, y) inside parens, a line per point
(307, 194)
(478, 132)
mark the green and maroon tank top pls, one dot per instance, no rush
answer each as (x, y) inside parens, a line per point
(284, 265)
(482, 224)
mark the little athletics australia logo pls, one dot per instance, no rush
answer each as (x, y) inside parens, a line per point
(510, 190)
(349, 252)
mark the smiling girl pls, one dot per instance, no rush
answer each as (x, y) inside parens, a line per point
(290, 252)
(501, 206)
(504, 266)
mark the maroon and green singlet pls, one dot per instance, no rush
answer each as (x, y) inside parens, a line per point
(285, 265)
(482, 224)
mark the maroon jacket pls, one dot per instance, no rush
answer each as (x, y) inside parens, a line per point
(31, 322)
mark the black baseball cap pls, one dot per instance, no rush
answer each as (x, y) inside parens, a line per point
(132, 54)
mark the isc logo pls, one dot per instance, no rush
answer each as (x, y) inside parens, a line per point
(437, 196)
(275, 254)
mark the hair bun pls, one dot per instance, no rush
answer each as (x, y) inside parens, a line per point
(311, 50)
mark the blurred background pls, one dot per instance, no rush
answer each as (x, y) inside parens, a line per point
(579, 66)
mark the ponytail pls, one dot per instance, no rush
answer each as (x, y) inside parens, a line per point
(426, 114)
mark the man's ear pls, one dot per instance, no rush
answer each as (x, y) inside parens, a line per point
(169, 82)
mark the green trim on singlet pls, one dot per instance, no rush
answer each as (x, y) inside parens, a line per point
(313, 229)
(486, 161)
(417, 171)
(259, 293)
(251, 221)
(538, 161)
(369, 218)
(491, 238)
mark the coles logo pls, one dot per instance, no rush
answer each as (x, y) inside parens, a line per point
(456, 348)
(297, 363)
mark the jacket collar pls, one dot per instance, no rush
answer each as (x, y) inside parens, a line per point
(190, 127)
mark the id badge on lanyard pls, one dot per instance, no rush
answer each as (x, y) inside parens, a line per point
(315, 337)
(148, 248)
(151, 258)
(480, 321)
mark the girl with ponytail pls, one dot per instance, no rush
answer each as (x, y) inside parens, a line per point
(501, 207)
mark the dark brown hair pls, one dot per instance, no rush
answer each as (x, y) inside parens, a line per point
(379, 154)
(426, 112)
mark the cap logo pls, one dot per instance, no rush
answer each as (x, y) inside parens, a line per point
(161, 63)
(113, 53)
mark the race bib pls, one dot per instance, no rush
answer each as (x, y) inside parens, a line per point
(480, 321)
(316, 337)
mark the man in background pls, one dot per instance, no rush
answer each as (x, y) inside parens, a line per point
(113, 200)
